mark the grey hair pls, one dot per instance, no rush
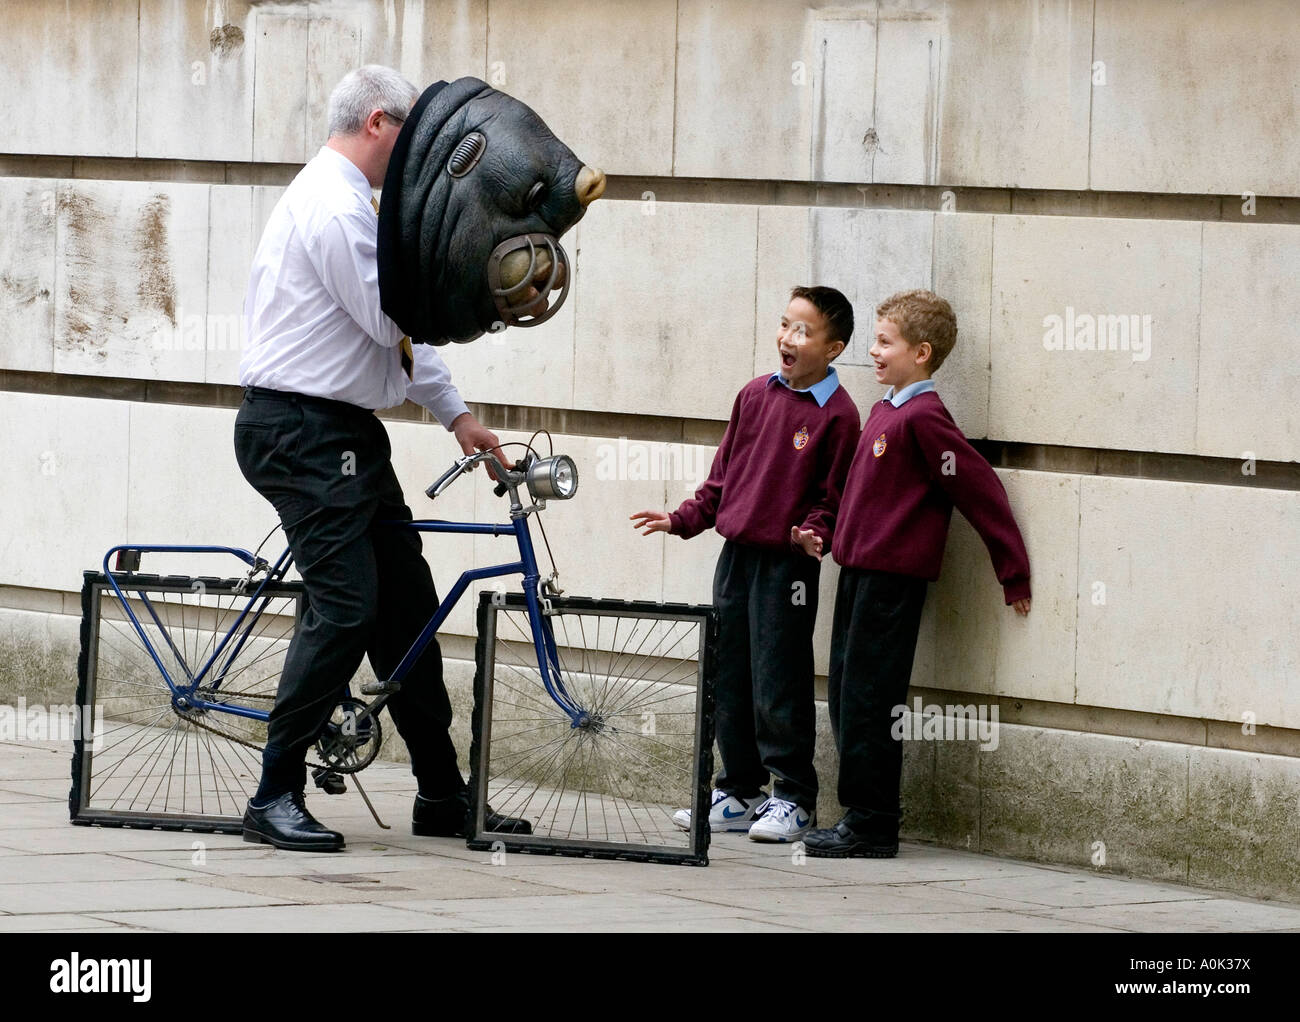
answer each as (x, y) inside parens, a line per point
(370, 87)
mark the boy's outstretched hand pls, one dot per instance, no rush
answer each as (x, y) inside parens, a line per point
(651, 521)
(807, 541)
(1022, 606)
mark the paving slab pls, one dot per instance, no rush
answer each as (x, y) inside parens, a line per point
(576, 911)
(1072, 891)
(68, 838)
(964, 922)
(54, 921)
(412, 885)
(1208, 915)
(280, 918)
(261, 860)
(814, 903)
(123, 895)
(18, 797)
(719, 924)
(38, 813)
(73, 867)
(613, 877)
(915, 863)
(36, 761)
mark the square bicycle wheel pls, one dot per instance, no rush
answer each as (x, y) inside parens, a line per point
(162, 760)
(624, 769)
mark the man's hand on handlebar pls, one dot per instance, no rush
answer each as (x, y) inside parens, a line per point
(473, 436)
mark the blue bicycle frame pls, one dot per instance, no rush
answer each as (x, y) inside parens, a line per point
(213, 670)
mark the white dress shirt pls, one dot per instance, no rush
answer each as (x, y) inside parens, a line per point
(315, 325)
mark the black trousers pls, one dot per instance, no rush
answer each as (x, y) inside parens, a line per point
(767, 605)
(325, 466)
(873, 642)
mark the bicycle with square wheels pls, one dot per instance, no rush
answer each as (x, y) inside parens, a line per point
(593, 719)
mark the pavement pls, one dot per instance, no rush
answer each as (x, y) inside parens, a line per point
(57, 877)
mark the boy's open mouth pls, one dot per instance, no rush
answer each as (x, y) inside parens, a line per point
(787, 360)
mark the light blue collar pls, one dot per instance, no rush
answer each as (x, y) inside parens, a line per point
(907, 393)
(821, 391)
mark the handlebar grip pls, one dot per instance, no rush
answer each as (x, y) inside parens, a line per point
(431, 492)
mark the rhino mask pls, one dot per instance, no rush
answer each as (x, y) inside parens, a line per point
(477, 195)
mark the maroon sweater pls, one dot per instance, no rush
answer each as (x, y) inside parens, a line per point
(913, 464)
(782, 462)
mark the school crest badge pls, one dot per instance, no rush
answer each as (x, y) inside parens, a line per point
(801, 438)
(878, 448)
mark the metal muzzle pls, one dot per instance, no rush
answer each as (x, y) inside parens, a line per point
(512, 300)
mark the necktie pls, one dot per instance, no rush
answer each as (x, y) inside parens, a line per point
(405, 351)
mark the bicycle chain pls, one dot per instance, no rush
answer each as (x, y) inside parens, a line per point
(233, 738)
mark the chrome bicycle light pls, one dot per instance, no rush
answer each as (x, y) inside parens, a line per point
(554, 478)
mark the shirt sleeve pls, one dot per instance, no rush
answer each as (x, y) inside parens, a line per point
(344, 254)
(977, 492)
(431, 385)
(701, 511)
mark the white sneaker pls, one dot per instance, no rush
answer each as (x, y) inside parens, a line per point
(726, 812)
(779, 820)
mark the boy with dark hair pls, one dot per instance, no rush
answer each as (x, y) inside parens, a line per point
(912, 466)
(773, 492)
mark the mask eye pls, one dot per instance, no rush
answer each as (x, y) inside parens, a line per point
(467, 153)
(535, 196)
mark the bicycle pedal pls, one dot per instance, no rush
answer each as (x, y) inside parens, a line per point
(380, 688)
(329, 781)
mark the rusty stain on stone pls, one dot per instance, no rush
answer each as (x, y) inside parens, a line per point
(157, 288)
(84, 254)
(226, 40)
(22, 290)
(20, 282)
(116, 261)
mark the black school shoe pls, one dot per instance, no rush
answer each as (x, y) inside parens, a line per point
(864, 835)
(449, 817)
(285, 823)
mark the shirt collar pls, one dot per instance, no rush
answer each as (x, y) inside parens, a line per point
(350, 171)
(907, 393)
(821, 391)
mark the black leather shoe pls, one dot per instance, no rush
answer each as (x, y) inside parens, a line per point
(875, 839)
(286, 823)
(449, 817)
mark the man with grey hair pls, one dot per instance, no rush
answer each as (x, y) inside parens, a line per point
(321, 358)
(368, 88)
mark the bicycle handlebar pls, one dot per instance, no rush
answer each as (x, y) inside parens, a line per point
(507, 477)
(444, 479)
(501, 486)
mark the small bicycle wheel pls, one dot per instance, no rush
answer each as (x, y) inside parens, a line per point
(607, 768)
(185, 755)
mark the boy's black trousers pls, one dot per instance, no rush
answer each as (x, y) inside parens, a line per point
(873, 641)
(325, 467)
(767, 605)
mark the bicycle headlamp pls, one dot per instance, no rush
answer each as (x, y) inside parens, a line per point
(554, 478)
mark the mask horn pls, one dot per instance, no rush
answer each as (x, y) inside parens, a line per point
(589, 186)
